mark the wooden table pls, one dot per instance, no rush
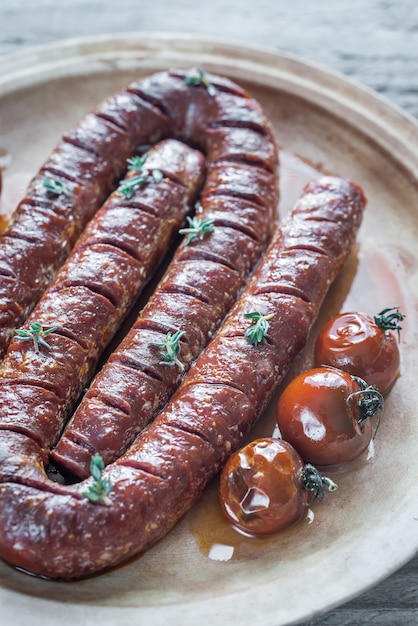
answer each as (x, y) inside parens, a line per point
(373, 41)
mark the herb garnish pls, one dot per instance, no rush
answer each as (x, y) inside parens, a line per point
(128, 185)
(57, 187)
(198, 77)
(258, 332)
(100, 489)
(170, 348)
(36, 333)
(196, 228)
(136, 163)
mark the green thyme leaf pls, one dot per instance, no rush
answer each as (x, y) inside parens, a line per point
(36, 333)
(128, 186)
(170, 348)
(198, 77)
(258, 332)
(136, 163)
(57, 187)
(197, 227)
(100, 488)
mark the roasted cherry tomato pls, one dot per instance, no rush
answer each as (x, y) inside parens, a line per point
(327, 415)
(362, 345)
(265, 487)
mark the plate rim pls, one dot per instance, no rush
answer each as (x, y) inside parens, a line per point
(398, 129)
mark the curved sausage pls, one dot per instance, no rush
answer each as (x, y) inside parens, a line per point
(223, 121)
(200, 285)
(90, 296)
(171, 462)
(82, 170)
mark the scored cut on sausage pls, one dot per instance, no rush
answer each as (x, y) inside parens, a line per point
(164, 472)
(200, 285)
(225, 122)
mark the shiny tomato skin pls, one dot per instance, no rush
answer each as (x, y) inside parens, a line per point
(313, 416)
(260, 488)
(354, 343)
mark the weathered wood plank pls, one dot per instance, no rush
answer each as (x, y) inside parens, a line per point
(374, 41)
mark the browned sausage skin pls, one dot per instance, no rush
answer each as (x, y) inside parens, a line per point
(201, 284)
(88, 299)
(225, 391)
(90, 159)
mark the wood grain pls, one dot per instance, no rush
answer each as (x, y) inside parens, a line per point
(371, 41)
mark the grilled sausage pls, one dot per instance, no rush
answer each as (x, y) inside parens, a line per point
(91, 294)
(200, 286)
(163, 473)
(223, 121)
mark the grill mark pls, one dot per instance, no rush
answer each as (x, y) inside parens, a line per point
(121, 201)
(82, 146)
(197, 254)
(54, 171)
(71, 336)
(245, 159)
(137, 366)
(106, 117)
(107, 121)
(187, 290)
(111, 402)
(239, 228)
(187, 429)
(98, 292)
(152, 325)
(32, 383)
(110, 243)
(142, 467)
(23, 237)
(220, 124)
(286, 290)
(230, 193)
(307, 248)
(150, 100)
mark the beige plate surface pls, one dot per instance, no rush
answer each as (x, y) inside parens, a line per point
(203, 571)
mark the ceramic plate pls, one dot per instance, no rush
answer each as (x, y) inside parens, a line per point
(203, 571)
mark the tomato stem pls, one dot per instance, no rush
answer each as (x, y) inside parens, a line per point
(315, 483)
(388, 319)
(369, 401)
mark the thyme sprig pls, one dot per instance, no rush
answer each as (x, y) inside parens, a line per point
(389, 319)
(198, 77)
(136, 163)
(57, 187)
(258, 333)
(196, 228)
(128, 186)
(100, 488)
(170, 348)
(36, 333)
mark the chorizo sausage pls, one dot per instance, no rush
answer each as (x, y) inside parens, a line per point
(166, 469)
(223, 121)
(69, 188)
(199, 287)
(96, 287)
